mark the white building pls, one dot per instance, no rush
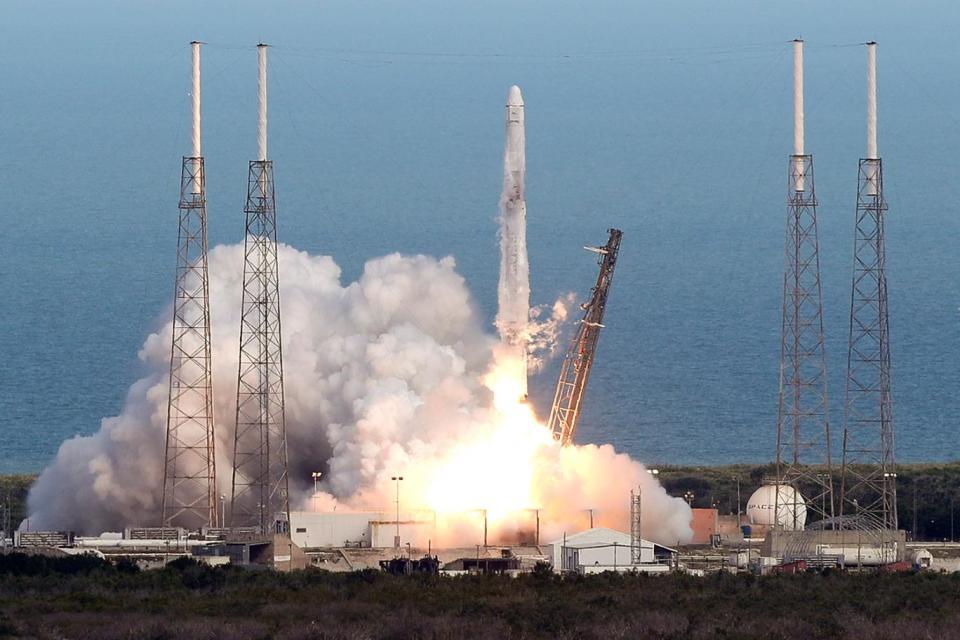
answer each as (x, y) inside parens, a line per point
(370, 529)
(311, 529)
(602, 549)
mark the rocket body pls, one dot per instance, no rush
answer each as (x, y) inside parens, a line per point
(514, 287)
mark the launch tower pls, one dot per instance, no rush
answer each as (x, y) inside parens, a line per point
(260, 482)
(868, 487)
(803, 425)
(189, 470)
(575, 370)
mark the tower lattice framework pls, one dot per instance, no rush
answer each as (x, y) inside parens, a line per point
(260, 482)
(803, 424)
(636, 527)
(189, 484)
(868, 487)
(578, 361)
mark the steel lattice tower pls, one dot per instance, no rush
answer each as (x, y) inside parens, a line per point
(636, 527)
(260, 482)
(803, 425)
(189, 474)
(578, 361)
(868, 489)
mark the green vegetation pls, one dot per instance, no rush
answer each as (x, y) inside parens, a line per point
(933, 487)
(13, 496)
(83, 598)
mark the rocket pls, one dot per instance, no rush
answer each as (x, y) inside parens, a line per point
(514, 286)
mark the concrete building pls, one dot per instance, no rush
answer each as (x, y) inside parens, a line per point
(361, 529)
(317, 529)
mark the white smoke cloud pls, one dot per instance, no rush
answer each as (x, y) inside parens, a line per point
(382, 376)
(543, 331)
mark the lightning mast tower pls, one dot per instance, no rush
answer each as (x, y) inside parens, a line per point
(636, 527)
(189, 471)
(260, 496)
(868, 486)
(803, 425)
(575, 370)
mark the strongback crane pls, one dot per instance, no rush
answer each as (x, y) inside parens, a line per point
(565, 412)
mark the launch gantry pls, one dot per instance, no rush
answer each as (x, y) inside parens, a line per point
(575, 371)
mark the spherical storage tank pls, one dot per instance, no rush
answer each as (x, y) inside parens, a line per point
(790, 505)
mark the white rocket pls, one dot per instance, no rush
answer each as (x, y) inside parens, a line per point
(514, 287)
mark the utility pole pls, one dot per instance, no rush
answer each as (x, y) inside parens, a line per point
(7, 518)
(396, 538)
(914, 508)
(738, 501)
(316, 479)
(484, 528)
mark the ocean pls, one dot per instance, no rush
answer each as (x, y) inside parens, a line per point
(671, 122)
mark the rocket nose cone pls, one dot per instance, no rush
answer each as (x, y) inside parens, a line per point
(514, 97)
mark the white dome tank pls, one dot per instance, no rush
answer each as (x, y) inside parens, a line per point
(791, 507)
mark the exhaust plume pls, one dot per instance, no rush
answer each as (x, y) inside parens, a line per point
(377, 383)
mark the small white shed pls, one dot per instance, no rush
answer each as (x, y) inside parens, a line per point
(598, 547)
